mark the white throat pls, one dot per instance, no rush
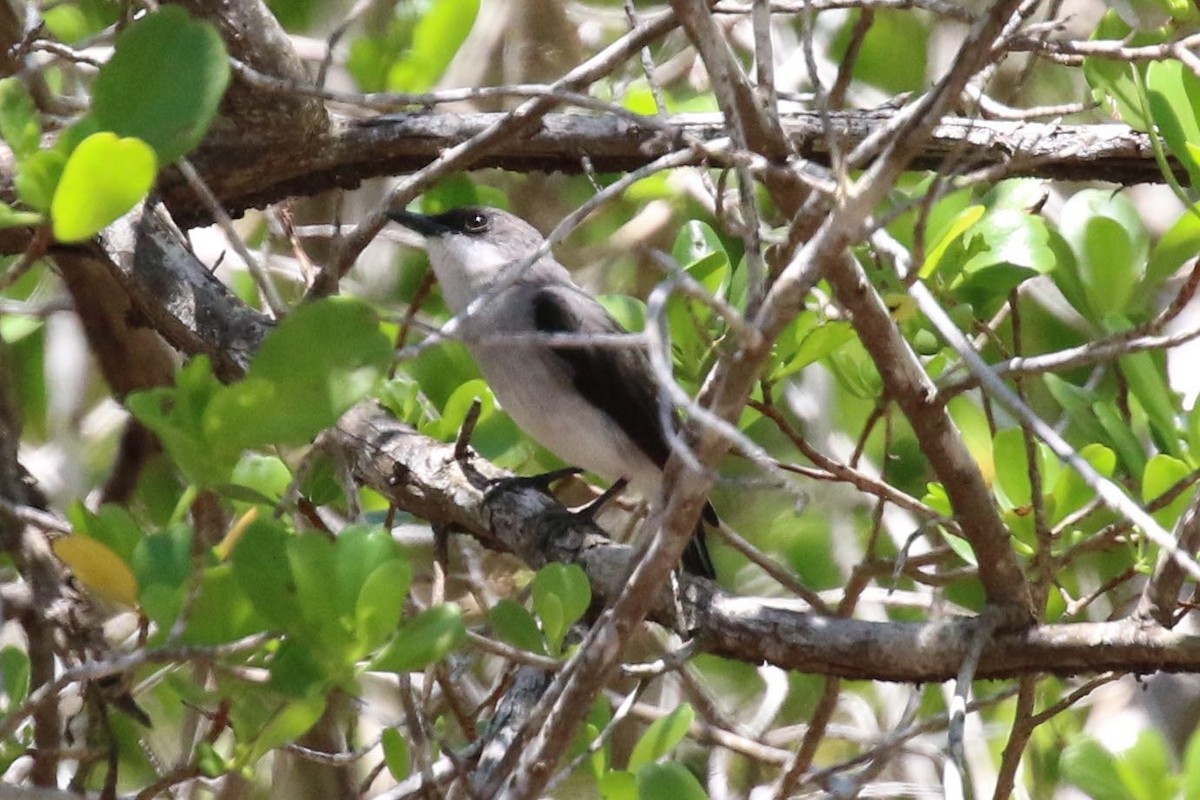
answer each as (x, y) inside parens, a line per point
(464, 267)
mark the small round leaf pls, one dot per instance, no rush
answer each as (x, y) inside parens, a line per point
(164, 82)
(105, 177)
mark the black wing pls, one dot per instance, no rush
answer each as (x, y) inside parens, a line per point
(619, 381)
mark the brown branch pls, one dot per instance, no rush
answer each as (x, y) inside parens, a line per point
(1018, 737)
(1160, 597)
(255, 174)
(41, 573)
(422, 476)
(175, 295)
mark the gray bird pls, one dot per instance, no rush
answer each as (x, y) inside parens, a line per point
(593, 406)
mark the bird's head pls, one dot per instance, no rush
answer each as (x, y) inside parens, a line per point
(468, 247)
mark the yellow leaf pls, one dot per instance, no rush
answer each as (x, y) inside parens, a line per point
(98, 568)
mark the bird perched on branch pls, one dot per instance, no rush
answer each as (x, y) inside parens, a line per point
(593, 405)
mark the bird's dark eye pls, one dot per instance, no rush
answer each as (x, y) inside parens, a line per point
(476, 222)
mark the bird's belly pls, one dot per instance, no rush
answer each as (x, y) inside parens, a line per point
(538, 394)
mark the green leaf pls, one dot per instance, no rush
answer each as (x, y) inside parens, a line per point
(1111, 247)
(1109, 271)
(597, 760)
(402, 396)
(265, 475)
(699, 249)
(815, 344)
(14, 675)
(951, 235)
(19, 124)
(372, 55)
(1178, 245)
(554, 624)
(73, 136)
(1011, 237)
(1111, 80)
(1077, 402)
(856, 371)
(162, 563)
(1149, 385)
(639, 99)
(104, 178)
(1145, 768)
(436, 38)
(37, 178)
(893, 55)
(457, 407)
(661, 737)
(72, 22)
(210, 762)
(263, 570)
(309, 371)
(988, 288)
(395, 754)
(513, 624)
(299, 670)
(976, 432)
(661, 781)
(176, 417)
(618, 785)
(1173, 94)
(961, 547)
(1090, 767)
(11, 218)
(1161, 474)
(561, 595)
(161, 603)
(1190, 779)
(1123, 440)
(1012, 467)
(1070, 492)
(381, 603)
(361, 550)
(164, 82)
(223, 613)
(1020, 194)
(289, 723)
(312, 559)
(111, 524)
(423, 640)
(458, 190)
(629, 311)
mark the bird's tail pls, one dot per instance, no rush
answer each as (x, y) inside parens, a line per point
(696, 560)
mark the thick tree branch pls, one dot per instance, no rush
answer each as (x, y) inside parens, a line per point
(177, 296)
(255, 174)
(422, 476)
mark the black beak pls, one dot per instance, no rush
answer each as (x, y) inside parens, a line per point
(426, 226)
